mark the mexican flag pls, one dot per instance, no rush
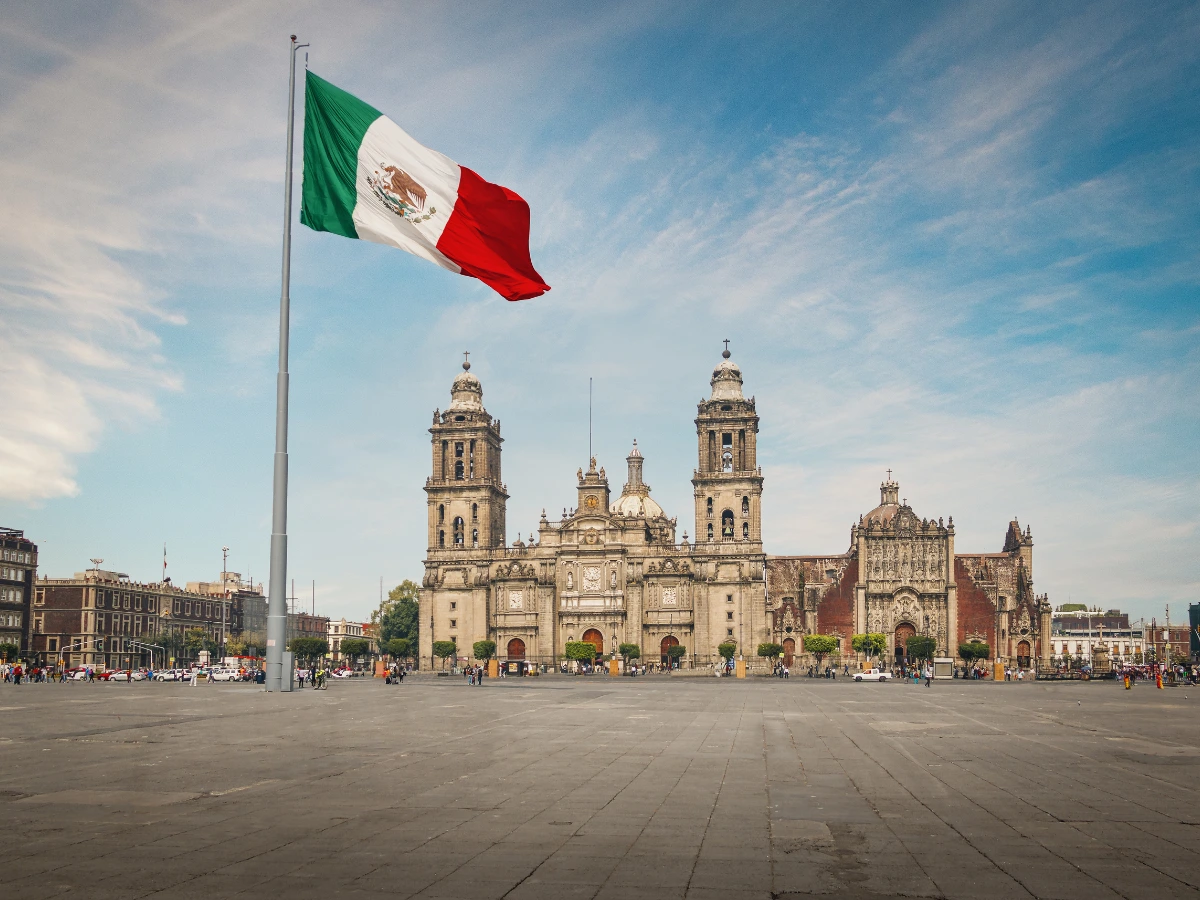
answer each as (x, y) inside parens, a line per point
(364, 177)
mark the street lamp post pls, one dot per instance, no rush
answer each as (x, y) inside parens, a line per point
(224, 597)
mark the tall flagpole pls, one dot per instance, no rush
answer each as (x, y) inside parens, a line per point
(276, 596)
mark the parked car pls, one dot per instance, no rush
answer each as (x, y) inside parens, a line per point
(873, 675)
(124, 675)
(223, 674)
(169, 675)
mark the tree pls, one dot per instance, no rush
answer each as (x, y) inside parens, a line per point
(399, 615)
(628, 652)
(353, 648)
(173, 643)
(197, 639)
(483, 650)
(727, 649)
(308, 649)
(397, 648)
(770, 651)
(819, 645)
(973, 651)
(443, 649)
(872, 644)
(235, 647)
(580, 651)
(676, 653)
(919, 647)
(9, 651)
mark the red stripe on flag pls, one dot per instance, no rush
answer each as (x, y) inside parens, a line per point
(488, 237)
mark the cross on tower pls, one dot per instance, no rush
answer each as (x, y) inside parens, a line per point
(889, 474)
(726, 351)
(466, 359)
(726, 343)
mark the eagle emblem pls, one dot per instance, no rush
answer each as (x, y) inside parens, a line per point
(400, 193)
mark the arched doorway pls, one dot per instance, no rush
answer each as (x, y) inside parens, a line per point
(789, 651)
(516, 649)
(1023, 659)
(903, 632)
(596, 639)
(664, 648)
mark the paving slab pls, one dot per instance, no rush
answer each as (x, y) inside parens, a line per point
(596, 788)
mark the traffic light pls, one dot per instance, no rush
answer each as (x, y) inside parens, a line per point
(99, 645)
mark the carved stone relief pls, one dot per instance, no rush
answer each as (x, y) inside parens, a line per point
(591, 578)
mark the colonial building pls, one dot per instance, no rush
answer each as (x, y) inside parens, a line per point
(903, 576)
(92, 618)
(18, 569)
(608, 571)
(613, 571)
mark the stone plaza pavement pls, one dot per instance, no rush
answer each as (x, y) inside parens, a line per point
(598, 787)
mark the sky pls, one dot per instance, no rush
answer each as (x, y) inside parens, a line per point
(958, 240)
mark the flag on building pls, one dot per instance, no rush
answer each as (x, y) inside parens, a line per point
(364, 177)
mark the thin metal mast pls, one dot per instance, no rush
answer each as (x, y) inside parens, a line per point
(276, 597)
(589, 422)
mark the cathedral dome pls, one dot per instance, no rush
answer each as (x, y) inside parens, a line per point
(726, 379)
(640, 506)
(466, 392)
(889, 503)
(635, 496)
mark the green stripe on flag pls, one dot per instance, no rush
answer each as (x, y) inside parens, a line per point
(334, 125)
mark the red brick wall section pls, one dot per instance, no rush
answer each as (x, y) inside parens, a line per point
(835, 612)
(976, 613)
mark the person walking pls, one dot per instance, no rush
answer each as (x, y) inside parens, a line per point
(928, 674)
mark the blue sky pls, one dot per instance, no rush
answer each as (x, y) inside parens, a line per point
(955, 240)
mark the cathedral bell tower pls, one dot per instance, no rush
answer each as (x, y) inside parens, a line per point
(466, 497)
(727, 482)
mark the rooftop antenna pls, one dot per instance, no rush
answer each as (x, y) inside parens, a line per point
(589, 421)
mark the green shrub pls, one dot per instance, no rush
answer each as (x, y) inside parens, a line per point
(920, 647)
(727, 649)
(483, 650)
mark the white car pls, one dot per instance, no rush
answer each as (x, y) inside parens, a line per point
(169, 675)
(225, 675)
(127, 676)
(873, 675)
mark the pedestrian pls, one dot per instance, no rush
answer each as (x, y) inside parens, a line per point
(928, 674)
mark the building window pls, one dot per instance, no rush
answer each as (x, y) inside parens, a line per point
(453, 604)
(709, 505)
(472, 459)
(745, 506)
(727, 525)
(474, 512)
(729, 598)
(745, 531)
(454, 623)
(441, 539)
(474, 537)
(726, 452)
(441, 514)
(728, 632)
(458, 470)
(137, 602)
(710, 531)
(458, 531)
(729, 615)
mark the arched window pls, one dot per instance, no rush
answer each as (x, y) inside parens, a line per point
(441, 514)
(727, 460)
(727, 525)
(745, 531)
(710, 531)
(475, 537)
(458, 470)
(441, 539)
(745, 506)
(458, 531)
(710, 507)
(474, 512)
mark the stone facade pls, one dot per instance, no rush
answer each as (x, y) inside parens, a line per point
(608, 571)
(902, 576)
(613, 571)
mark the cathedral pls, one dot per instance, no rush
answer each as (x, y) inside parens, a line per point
(613, 571)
